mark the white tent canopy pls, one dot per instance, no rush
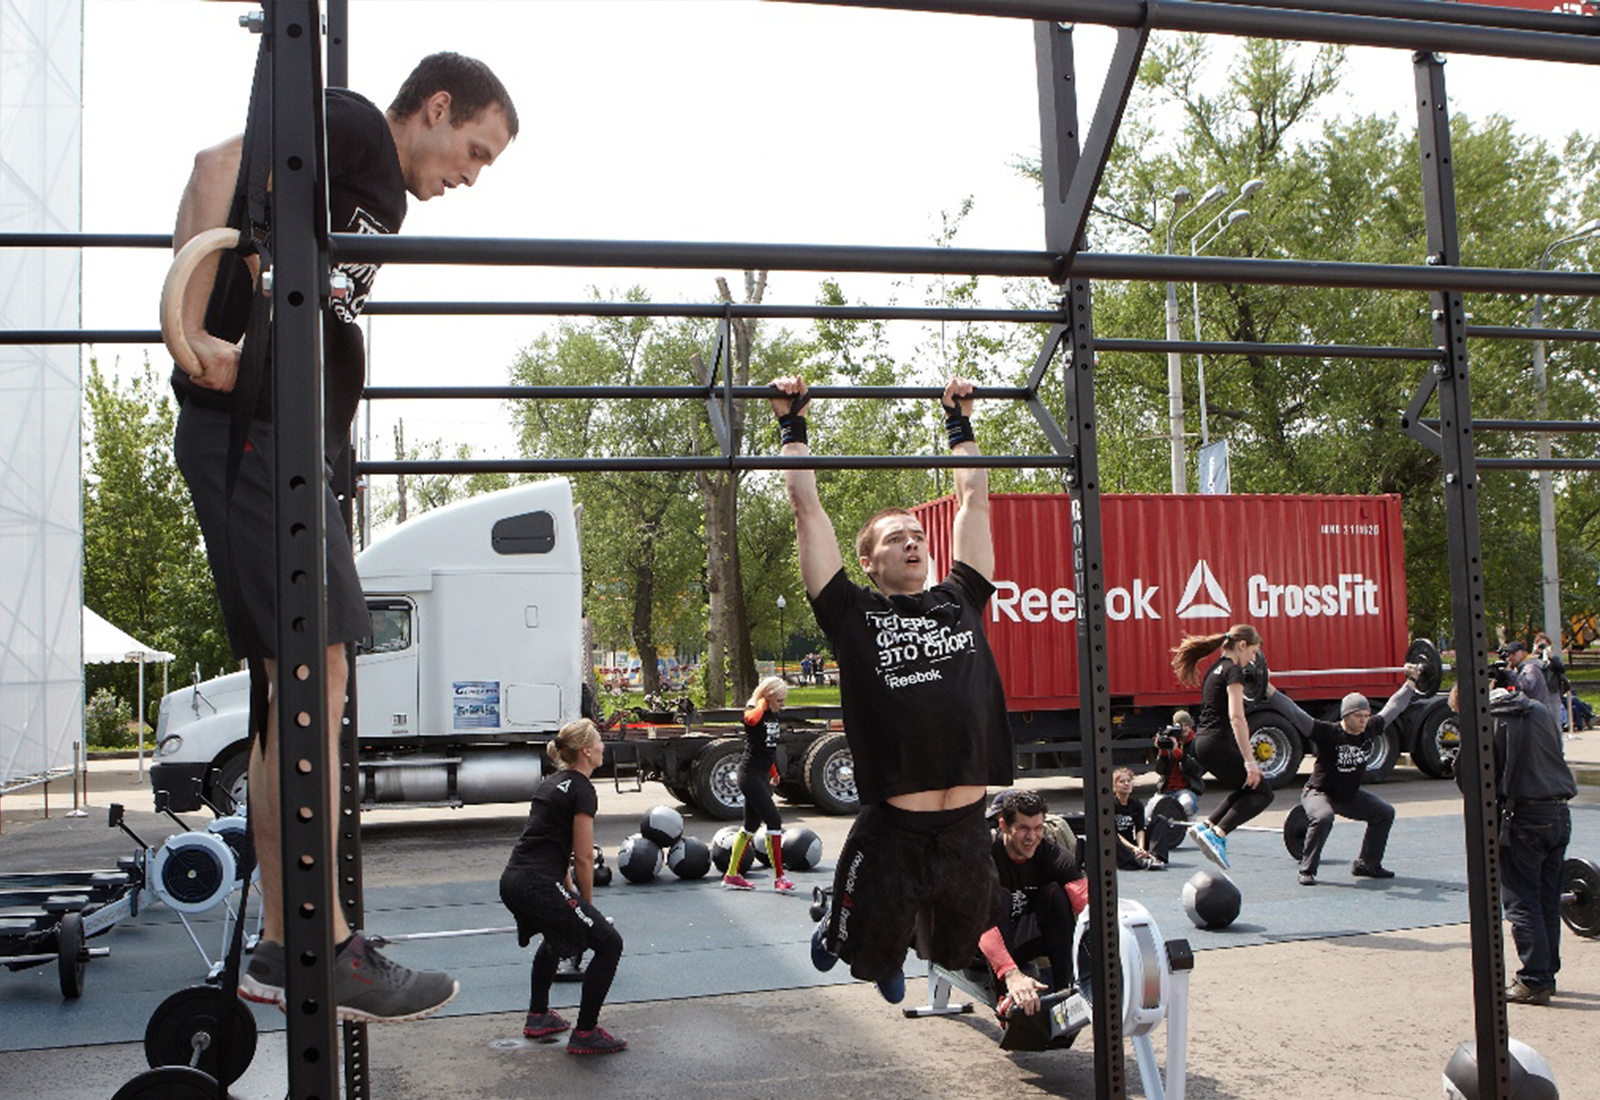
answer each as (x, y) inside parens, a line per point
(104, 644)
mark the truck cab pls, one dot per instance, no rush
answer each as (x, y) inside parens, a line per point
(475, 659)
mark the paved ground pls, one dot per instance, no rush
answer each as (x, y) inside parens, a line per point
(1374, 1014)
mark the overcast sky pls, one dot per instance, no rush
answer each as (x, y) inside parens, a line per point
(652, 120)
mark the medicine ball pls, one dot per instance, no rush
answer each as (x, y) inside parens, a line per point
(802, 849)
(689, 858)
(722, 850)
(1531, 1078)
(1211, 899)
(662, 826)
(639, 859)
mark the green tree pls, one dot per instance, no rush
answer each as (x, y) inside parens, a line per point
(144, 566)
(642, 537)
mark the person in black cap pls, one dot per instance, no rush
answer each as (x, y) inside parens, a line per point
(1334, 789)
(1526, 675)
(1533, 785)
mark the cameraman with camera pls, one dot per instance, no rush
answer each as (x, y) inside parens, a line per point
(1533, 784)
(1527, 675)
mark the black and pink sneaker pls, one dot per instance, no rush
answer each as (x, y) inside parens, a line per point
(540, 1024)
(598, 1041)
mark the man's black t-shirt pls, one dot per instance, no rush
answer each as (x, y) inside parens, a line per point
(1341, 759)
(923, 705)
(545, 847)
(366, 194)
(1020, 883)
(1213, 716)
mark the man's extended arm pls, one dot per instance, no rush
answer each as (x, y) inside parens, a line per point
(819, 546)
(972, 539)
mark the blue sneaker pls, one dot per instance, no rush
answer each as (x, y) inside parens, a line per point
(1213, 845)
(821, 958)
(893, 988)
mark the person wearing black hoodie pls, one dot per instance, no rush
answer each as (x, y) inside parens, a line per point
(1533, 784)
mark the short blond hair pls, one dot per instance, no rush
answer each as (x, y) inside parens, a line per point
(766, 688)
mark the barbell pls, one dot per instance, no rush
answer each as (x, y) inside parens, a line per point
(1421, 653)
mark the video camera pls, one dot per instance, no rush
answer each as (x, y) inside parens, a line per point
(1500, 674)
(1169, 738)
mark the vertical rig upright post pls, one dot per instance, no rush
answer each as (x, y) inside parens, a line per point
(299, 272)
(1060, 165)
(1466, 585)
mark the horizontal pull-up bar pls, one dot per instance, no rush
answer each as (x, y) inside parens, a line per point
(526, 251)
(1294, 351)
(1569, 426)
(708, 310)
(1518, 332)
(1538, 463)
(390, 393)
(80, 336)
(636, 463)
(1335, 21)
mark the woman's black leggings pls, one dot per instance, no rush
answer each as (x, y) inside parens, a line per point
(1219, 752)
(607, 945)
(759, 808)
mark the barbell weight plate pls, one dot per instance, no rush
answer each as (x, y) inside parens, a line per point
(1169, 807)
(169, 1038)
(1256, 676)
(71, 958)
(169, 1083)
(1295, 827)
(1580, 897)
(1426, 654)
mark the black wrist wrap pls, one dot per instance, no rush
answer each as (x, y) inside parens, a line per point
(957, 427)
(792, 428)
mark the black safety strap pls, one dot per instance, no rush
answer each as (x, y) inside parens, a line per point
(250, 214)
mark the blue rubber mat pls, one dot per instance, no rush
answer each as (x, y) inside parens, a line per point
(692, 939)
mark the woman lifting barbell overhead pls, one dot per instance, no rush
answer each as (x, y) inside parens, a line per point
(541, 892)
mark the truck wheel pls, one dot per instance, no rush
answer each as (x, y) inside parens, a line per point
(714, 779)
(1277, 749)
(1382, 755)
(831, 775)
(229, 782)
(1438, 742)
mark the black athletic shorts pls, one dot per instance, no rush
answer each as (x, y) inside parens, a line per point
(246, 532)
(544, 907)
(907, 877)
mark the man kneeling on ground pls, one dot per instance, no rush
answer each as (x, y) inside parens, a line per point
(1042, 890)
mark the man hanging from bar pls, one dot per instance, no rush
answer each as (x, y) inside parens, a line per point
(451, 119)
(924, 713)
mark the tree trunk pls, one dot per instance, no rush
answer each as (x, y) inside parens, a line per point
(644, 595)
(736, 619)
(400, 456)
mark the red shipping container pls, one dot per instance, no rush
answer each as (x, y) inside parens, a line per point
(1321, 577)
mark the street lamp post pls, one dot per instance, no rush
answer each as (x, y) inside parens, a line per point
(1227, 216)
(1550, 562)
(1180, 475)
(783, 667)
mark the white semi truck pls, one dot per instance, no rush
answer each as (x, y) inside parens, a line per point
(477, 658)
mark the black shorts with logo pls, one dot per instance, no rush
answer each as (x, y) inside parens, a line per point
(240, 541)
(907, 877)
(544, 907)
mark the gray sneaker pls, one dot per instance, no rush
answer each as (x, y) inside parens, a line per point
(262, 981)
(372, 988)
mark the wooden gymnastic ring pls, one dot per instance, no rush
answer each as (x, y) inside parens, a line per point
(173, 289)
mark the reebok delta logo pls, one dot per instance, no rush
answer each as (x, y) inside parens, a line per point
(1210, 604)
